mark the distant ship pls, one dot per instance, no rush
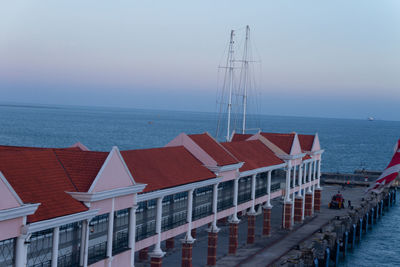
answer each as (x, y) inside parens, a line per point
(371, 118)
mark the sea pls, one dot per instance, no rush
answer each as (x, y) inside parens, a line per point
(349, 144)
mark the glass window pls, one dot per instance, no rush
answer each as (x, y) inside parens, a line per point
(7, 252)
(121, 231)
(98, 231)
(69, 244)
(39, 248)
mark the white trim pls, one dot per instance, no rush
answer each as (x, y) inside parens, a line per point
(118, 192)
(3, 178)
(59, 221)
(116, 151)
(318, 152)
(290, 157)
(231, 167)
(261, 170)
(21, 211)
(176, 189)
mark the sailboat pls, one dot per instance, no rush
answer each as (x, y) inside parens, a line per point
(237, 81)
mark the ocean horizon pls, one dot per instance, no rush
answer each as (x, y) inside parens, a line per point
(349, 143)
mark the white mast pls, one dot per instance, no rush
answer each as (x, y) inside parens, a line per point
(231, 67)
(245, 73)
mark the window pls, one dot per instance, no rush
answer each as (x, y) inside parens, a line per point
(225, 195)
(145, 219)
(39, 249)
(244, 193)
(261, 184)
(202, 202)
(69, 244)
(98, 231)
(7, 252)
(121, 231)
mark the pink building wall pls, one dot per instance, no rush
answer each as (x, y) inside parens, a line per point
(7, 198)
(10, 228)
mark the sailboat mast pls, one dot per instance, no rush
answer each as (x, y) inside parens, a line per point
(231, 67)
(245, 74)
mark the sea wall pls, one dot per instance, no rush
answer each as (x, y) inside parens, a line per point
(330, 244)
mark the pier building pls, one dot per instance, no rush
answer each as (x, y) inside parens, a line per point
(76, 207)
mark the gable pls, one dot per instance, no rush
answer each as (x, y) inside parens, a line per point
(113, 174)
(8, 197)
(316, 145)
(296, 148)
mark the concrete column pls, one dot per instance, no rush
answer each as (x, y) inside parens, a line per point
(234, 218)
(287, 191)
(212, 247)
(233, 237)
(215, 207)
(269, 189)
(21, 251)
(309, 176)
(294, 194)
(267, 221)
(313, 187)
(304, 192)
(157, 254)
(110, 230)
(85, 224)
(54, 249)
(300, 179)
(287, 207)
(253, 194)
(188, 237)
(319, 174)
(132, 232)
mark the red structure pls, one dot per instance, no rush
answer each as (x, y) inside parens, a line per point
(267, 221)
(298, 209)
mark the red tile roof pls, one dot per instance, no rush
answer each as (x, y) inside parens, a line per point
(165, 167)
(38, 177)
(253, 153)
(281, 140)
(306, 141)
(240, 137)
(81, 166)
(214, 149)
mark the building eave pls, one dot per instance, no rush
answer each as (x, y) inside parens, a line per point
(261, 170)
(21, 211)
(96, 196)
(59, 221)
(225, 168)
(176, 189)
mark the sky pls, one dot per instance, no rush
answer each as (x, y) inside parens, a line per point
(318, 58)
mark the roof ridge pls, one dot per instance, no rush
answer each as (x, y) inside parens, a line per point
(62, 165)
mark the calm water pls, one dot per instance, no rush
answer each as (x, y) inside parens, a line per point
(348, 144)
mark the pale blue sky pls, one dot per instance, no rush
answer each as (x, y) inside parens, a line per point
(323, 58)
